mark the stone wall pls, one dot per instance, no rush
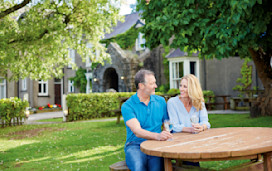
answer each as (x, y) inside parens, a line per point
(123, 63)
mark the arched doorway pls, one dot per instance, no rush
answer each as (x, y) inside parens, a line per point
(110, 79)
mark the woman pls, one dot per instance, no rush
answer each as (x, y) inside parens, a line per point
(189, 102)
(181, 109)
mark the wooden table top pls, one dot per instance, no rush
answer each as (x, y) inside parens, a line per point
(214, 143)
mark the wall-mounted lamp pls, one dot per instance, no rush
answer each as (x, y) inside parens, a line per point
(122, 77)
(96, 79)
(65, 112)
(27, 112)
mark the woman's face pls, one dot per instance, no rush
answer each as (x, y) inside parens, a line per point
(183, 88)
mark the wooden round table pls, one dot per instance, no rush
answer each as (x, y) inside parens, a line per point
(215, 144)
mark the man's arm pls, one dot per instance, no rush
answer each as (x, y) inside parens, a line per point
(135, 127)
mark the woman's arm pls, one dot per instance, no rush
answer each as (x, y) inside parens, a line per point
(173, 113)
(203, 116)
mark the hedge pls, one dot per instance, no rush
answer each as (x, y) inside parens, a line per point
(93, 105)
(97, 105)
(12, 111)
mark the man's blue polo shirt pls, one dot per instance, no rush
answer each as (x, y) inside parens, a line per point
(150, 117)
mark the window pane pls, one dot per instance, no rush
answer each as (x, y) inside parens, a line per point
(193, 68)
(44, 88)
(40, 88)
(177, 84)
(2, 92)
(180, 70)
(173, 69)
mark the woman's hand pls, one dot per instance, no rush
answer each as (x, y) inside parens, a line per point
(198, 128)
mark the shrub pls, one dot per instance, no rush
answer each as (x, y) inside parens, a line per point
(94, 105)
(12, 109)
(173, 91)
(206, 94)
(163, 88)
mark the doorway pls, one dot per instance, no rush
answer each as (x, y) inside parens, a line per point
(110, 80)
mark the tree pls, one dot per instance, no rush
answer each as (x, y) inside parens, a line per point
(35, 35)
(218, 29)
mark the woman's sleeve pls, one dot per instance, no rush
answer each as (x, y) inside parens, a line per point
(173, 115)
(204, 117)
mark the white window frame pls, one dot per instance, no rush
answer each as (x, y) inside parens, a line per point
(72, 56)
(43, 92)
(3, 84)
(24, 84)
(186, 68)
(139, 41)
(71, 87)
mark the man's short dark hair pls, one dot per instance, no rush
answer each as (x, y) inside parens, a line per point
(140, 76)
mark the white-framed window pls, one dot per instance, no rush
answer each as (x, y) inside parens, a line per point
(72, 56)
(43, 88)
(140, 41)
(24, 84)
(71, 87)
(3, 86)
(180, 67)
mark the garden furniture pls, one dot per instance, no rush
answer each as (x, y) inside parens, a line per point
(215, 144)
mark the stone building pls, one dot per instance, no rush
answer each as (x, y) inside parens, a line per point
(119, 74)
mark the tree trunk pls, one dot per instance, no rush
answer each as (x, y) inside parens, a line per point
(263, 105)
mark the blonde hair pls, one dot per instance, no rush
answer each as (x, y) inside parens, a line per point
(194, 91)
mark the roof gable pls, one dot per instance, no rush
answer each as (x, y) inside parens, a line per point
(130, 20)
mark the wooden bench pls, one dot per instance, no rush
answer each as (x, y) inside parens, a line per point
(118, 111)
(246, 102)
(119, 166)
(225, 102)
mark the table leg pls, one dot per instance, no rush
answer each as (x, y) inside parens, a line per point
(167, 164)
(267, 161)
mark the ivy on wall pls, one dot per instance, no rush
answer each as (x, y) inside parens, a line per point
(80, 80)
(125, 40)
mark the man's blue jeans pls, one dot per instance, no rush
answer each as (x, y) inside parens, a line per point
(138, 161)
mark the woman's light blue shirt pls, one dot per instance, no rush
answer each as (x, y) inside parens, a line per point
(181, 118)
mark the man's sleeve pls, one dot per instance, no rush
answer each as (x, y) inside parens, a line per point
(165, 112)
(127, 112)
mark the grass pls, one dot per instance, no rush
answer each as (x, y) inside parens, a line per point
(51, 120)
(87, 145)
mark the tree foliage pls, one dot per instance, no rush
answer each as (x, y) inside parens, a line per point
(215, 28)
(35, 36)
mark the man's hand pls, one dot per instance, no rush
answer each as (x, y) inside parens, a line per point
(164, 135)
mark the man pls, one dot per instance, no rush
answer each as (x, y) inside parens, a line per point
(144, 114)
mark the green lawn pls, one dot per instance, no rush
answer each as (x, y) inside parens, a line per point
(85, 145)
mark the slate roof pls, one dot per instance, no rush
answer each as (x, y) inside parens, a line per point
(178, 53)
(130, 20)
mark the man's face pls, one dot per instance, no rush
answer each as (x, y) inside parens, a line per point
(149, 85)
